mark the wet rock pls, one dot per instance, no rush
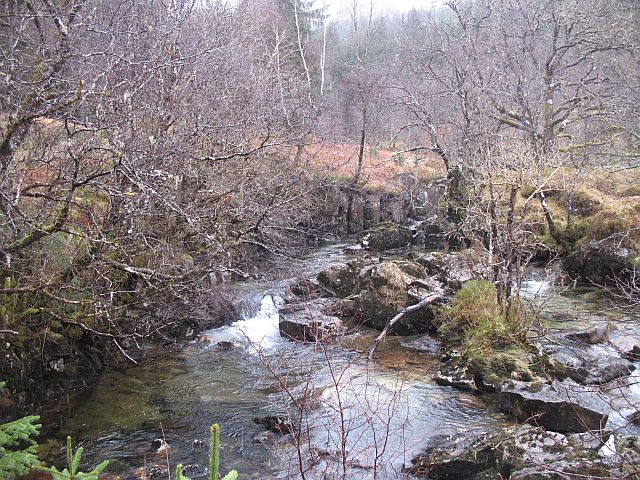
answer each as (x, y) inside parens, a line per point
(305, 322)
(627, 345)
(386, 236)
(524, 452)
(152, 472)
(452, 269)
(262, 437)
(307, 288)
(588, 367)
(433, 235)
(635, 418)
(198, 444)
(226, 345)
(275, 423)
(194, 470)
(597, 334)
(160, 445)
(559, 406)
(453, 374)
(353, 249)
(454, 458)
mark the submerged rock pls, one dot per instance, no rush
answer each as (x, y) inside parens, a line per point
(559, 406)
(423, 344)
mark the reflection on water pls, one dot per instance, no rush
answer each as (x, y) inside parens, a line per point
(377, 413)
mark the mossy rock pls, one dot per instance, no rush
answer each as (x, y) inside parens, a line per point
(386, 236)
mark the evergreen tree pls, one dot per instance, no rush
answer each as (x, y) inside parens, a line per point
(17, 446)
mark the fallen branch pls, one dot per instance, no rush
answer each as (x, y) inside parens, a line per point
(429, 299)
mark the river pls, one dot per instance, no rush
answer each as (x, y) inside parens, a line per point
(365, 418)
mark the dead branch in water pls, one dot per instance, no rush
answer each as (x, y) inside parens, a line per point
(429, 299)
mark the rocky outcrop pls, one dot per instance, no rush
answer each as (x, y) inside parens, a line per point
(560, 406)
(414, 200)
(374, 293)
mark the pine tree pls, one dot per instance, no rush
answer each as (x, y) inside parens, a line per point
(17, 446)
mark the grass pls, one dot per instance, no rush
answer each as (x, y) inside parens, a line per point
(491, 344)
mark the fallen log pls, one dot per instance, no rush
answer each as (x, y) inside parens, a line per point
(429, 299)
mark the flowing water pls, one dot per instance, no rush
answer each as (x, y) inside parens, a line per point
(368, 418)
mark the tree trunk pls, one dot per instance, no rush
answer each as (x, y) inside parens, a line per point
(353, 187)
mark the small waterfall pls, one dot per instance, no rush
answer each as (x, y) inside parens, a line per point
(259, 328)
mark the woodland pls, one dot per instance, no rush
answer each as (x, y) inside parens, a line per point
(156, 155)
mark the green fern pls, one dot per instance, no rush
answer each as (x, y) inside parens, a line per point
(73, 464)
(17, 447)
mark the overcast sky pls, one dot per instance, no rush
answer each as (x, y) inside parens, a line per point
(336, 7)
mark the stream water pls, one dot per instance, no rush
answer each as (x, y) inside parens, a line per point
(367, 417)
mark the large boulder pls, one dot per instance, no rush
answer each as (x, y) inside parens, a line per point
(391, 286)
(449, 459)
(560, 406)
(525, 452)
(386, 236)
(452, 269)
